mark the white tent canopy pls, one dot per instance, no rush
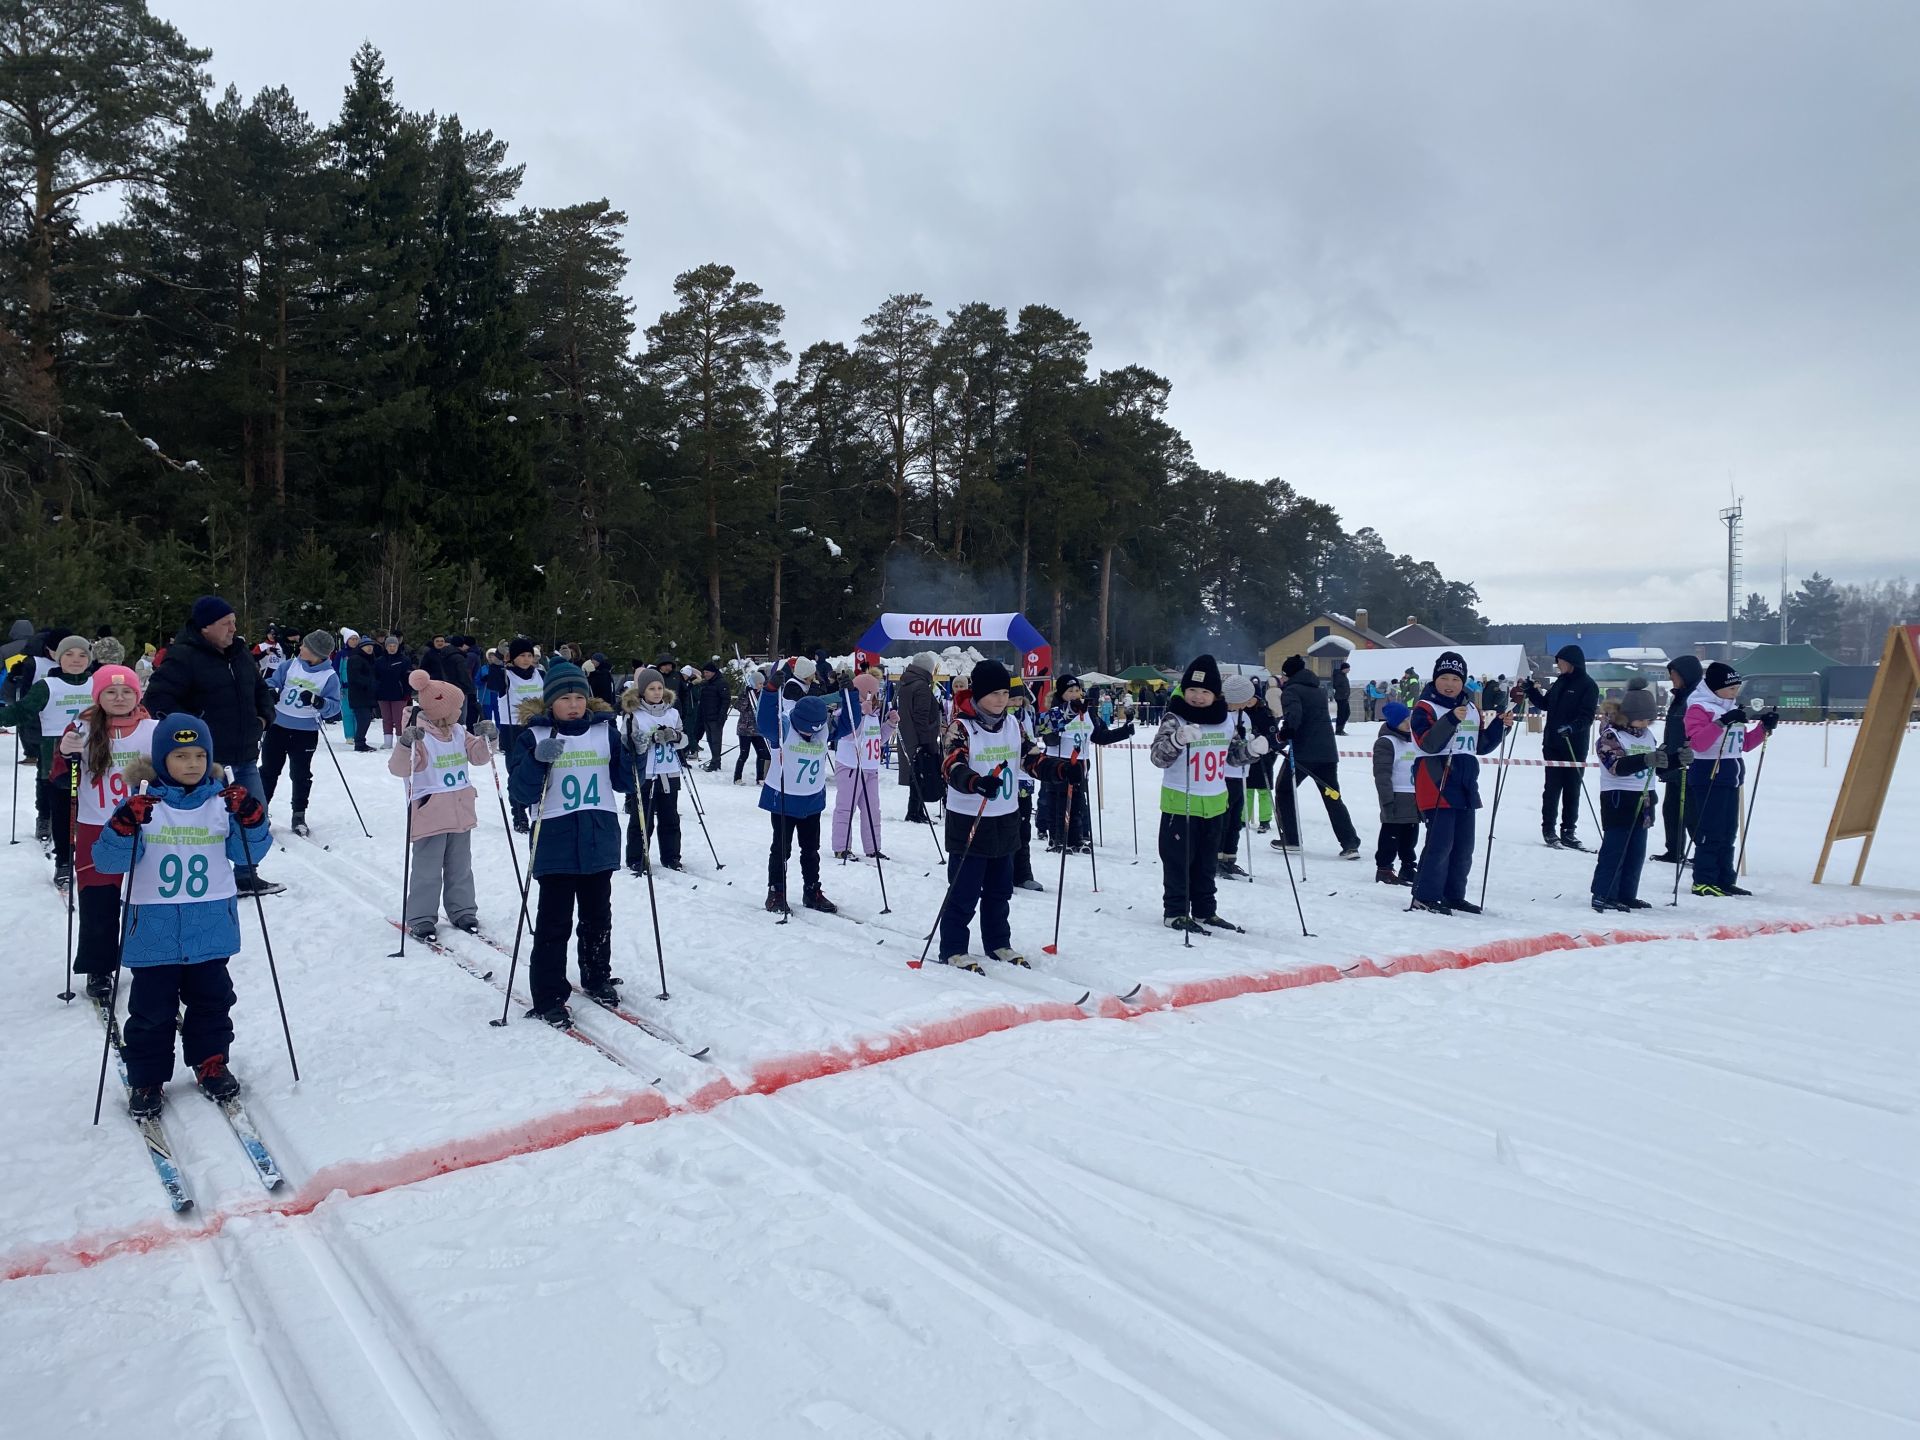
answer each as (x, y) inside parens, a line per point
(1507, 660)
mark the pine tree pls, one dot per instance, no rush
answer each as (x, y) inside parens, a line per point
(966, 388)
(1813, 612)
(894, 349)
(711, 354)
(1048, 365)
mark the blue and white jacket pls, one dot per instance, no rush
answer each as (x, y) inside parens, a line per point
(304, 695)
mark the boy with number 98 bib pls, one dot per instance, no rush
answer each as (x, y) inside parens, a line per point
(571, 767)
(182, 841)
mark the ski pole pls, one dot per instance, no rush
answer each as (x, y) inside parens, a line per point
(343, 781)
(1713, 776)
(1060, 886)
(653, 903)
(1686, 836)
(1186, 831)
(700, 814)
(13, 825)
(959, 861)
(872, 817)
(1246, 826)
(506, 825)
(1100, 806)
(1493, 815)
(406, 857)
(113, 993)
(1133, 801)
(73, 870)
(1567, 740)
(260, 909)
(520, 925)
(1758, 770)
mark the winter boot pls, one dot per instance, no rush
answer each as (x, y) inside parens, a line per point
(145, 1102)
(300, 823)
(843, 856)
(1030, 884)
(1384, 876)
(1007, 956)
(1285, 847)
(777, 902)
(217, 1082)
(1352, 852)
(816, 899)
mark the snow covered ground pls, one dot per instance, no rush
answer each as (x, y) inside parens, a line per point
(1665, 1187)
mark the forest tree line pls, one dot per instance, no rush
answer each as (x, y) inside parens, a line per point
(330, 368)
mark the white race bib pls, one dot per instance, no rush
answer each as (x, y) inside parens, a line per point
(183, 856)
(582, 778)
(520, 689)
(65, 700)
(1074, 736)
(861, 750)
(985, 750)
(447, 769)
(101, 795)
(300, 690)
(803, 764)
(1201, 769)
(661, 759)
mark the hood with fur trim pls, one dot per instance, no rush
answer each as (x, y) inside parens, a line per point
(533, 707)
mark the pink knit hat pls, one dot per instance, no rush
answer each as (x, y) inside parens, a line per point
(113, 675)
(440, 702)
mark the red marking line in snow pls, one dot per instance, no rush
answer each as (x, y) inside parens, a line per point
(352, 1179)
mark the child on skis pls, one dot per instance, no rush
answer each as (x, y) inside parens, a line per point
(182, 841)
(64, 689)
(1719, 733)
(436, 756)
(1449, 732)
(988, 749)
(505, 692)
(1630, 755)
(570, 768)
(306, 688)
(108, 736)
(1244, 747)
(795, 791)
(1260, 773)
(1191, 747)
(1070, 730)
(1393, 757)
(653, 733)
(860, 737)
(1017, 697)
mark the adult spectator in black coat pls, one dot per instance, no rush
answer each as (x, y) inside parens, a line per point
(1569, 705)
(710, 712)
(1307, 729)
(1342, 697)
(1683, 673)
(920, 719)
(362, 690)
(209, 671)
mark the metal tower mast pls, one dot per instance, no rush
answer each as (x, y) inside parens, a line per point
(1730, 517)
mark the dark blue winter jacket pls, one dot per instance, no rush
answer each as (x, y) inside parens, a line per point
(588, 841)
(198, 930)
(1444, 779)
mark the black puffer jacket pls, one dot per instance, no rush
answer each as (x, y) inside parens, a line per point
(361, 689)
(390, 673)
(1674, 739)
(223, 688)
(919, 711)
(1305, 722)
(1569, 703)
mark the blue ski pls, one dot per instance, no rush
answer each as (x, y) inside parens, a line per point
(159, 1147)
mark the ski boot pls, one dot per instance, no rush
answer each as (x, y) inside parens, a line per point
(1710, 892)
(1215, 922)
(145, 1102)
(1570, 841)
(1265, 826)
(63, 875)
(1431, 907)
(964, 962)
(300, 823)
(100, 987)
(1464, 907)
(217, 1082)
(602, 991)
(43, 830)
(879, 855)
(1229, 869)
(843, 856)
(816, 899)
(1029, 884)
(471, 925)
(1282, 846)
(673, 865)
(1736, 890)
(1184, 922)
(1551, 840)
(1637, 904)
(1352, 852)
(558, 1016)
(1603, 907)
(1008, 956)
(777, 902)
(424, 931)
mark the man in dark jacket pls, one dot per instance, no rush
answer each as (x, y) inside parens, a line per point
(710, 712)
(1307, 729)
(209, 671)
(920, 716)
(1342, 697)
(1683, 673)
(1569, 705)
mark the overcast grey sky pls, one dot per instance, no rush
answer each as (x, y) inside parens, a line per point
(1527, 286)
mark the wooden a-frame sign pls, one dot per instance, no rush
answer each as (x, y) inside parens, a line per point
(1856, 813)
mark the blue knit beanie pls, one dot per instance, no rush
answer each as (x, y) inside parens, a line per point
(809, 715)
(1394, 713)
(180, 731)
(209, 609)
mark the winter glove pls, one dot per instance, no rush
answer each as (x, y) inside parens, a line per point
(1258, 746)
(1736, 716)
(1187, 734)
(488, 731)
(411, 735)
(987, 784)
(1661, 760)
(1517, 693)
(1686, 756)
(549, 749)
(242, 806)
(1075, 773)
(667, 735)
(131, 815)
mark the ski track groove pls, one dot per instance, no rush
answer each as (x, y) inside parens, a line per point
(1196, 1332)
